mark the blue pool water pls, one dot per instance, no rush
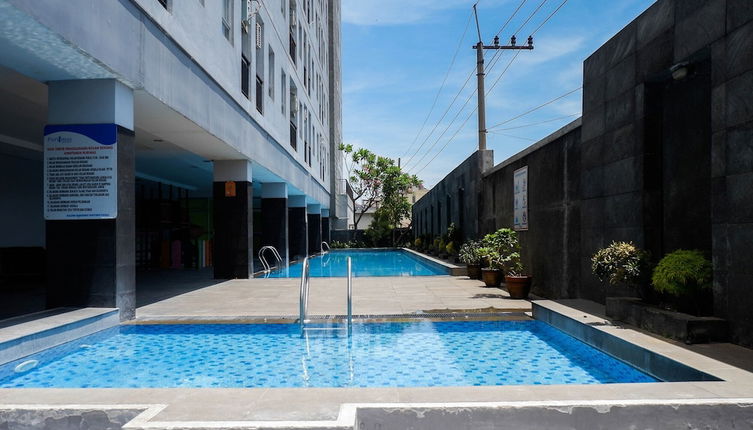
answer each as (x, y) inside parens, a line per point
(420, 353)
(364, 263)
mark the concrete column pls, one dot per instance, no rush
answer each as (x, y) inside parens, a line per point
(91, 246)
(233, 219)
(274, 217)
(297, 228)
(314, 215)
(326, 226)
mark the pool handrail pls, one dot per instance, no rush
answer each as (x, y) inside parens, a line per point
(303, 299)
(321, 247)
(350, 297)
(304, 294)
(263, 259)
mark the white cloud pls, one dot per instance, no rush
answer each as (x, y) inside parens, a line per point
(396, 12)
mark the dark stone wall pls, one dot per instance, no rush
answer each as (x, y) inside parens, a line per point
(297, 233)
(664, 161)
(274, 222)
(233, 231)
(685, 142)
(92, 263)
(456, 198)
(315, 233)
(551, 246)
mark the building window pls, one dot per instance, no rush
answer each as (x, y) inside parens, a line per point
(283, 90)
(227, 19)
(271, 74)
(245, 67)
(259, 94)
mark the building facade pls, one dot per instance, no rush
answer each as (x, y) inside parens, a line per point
(202, 130)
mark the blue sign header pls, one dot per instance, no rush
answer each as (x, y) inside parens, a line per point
(104, 134)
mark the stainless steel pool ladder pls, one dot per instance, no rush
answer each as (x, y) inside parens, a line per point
(304, 296)
(263, 259)
(323, 245)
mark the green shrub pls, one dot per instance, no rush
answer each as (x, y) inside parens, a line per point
(469, 252)
(682, 272)
(502, 250)
(441, 246)
(450, 248)
(620, 262)
(418, 243)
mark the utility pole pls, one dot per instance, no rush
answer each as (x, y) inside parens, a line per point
(479, 47)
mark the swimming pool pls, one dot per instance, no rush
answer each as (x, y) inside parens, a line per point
(371, 262)
(409, 354)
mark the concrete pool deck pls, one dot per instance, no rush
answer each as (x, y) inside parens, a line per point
(371, 296)
(369, 408)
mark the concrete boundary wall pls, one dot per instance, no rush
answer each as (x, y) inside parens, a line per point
(661, 157)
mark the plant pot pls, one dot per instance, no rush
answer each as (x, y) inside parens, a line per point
(491, 277)
(474, 271)
(518, 286)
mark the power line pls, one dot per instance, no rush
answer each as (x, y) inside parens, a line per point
(549, 17)
(498, 78)
(529, 17)
(537, 123)
(536, 108)
(466, 120)
(494, 61)
(444, 81)
(426, 139)
(514, 137)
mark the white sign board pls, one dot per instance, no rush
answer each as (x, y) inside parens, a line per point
(520, 193)
(80, 172)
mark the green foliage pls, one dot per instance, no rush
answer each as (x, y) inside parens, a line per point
(620, 262)
(453, 233)
(346, 245)
(435, 244)
(450, 248)
(469, 252)
(502, 251)
(442, 246)
(378, 180)
(379, 233)
(682, 272)
(418, 243)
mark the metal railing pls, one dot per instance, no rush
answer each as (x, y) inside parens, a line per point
(263, 259)
(323, 245)
(303, 303)
(350, 298)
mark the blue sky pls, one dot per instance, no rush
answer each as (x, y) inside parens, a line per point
(396, 54)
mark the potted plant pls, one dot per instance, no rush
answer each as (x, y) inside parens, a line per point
(684, 274)
(621, 264)
(470, 256)
(518, 283)
(492, 273)
(435, 246)
(451, 250)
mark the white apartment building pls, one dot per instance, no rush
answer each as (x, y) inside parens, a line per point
(163, 135)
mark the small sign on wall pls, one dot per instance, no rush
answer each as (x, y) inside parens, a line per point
(230, 189)
(520, 195)
(80, 172)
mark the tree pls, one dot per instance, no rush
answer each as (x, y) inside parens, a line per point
(395, 206)
(365, 174)
(378, 181)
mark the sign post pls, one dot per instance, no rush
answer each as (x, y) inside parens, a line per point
(80, 172)
(520, 193)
